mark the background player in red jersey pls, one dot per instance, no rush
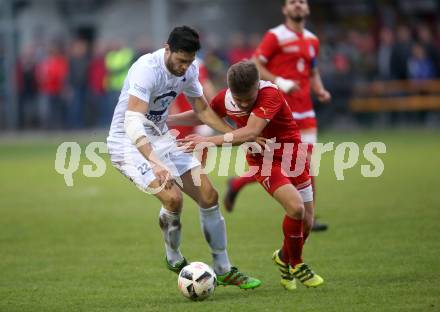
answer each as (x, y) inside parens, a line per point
(287, 56)
(259, 109)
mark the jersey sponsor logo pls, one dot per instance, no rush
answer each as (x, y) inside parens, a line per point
(291, 49)
(157, 113)
(165, 99)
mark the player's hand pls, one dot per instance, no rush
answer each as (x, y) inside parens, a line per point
(190, 142)
(286, 85)
(265, 143)
(163, 175)
(323, 96)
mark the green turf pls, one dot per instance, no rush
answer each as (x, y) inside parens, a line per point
(97, 246)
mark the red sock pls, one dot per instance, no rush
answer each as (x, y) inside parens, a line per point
(293, 240)
(285, 252)
(239, 182)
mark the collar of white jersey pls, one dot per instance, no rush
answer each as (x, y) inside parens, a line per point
(162, 63)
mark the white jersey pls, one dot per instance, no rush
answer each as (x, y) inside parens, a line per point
(149, 80)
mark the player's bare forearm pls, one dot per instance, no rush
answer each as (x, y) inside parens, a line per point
(318, 87)
(235, 137)
(249, 133)
(188, 118)
(316, 81)
(208, 116)
(145, 148)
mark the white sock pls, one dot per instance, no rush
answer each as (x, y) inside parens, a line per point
(170, 224)
(214, 229)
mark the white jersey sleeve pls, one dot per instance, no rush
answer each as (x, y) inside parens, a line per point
(193, 87)
(141, 81)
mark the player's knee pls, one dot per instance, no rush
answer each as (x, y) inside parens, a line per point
(173, 202)
(209, 197)
(296, 210)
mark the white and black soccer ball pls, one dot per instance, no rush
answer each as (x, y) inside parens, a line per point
(197, 281)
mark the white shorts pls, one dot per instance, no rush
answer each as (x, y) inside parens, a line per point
(129, 161)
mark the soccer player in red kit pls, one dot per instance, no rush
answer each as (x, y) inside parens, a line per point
(259, 109)
(287, 56)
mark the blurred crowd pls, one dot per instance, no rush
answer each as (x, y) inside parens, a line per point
(76, 84)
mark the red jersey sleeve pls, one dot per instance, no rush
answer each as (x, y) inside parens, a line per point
(218, 104)
(268, 46)
(269, 102)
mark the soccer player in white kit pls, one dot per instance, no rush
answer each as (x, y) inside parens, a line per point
(143, 150)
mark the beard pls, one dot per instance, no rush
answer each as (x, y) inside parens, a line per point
(172, 70)
(297, 18)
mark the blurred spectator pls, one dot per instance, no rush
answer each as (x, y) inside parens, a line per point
(426, 39)
(254, 41)
(96, 80)
(118, 61)
(27, 88)
(385, 49)
(367, 53)
(78, 66)
(350, 53)
(401, 53)
(238, 48)
(51, 75)
(143, 46)
(420, 66)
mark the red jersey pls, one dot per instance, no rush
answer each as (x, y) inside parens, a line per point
(292, 55)
(270, 105)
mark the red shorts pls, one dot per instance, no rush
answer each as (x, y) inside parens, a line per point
(306, 123)
(278, 177)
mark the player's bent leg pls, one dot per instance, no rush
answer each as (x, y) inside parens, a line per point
(307, 197)
(310, 135)
(233, 187)
(290, 199)
(309, 217)
(294, 237)
(204, 194)
(214, 229)
(169, 222)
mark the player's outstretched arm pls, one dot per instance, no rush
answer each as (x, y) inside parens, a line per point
(249, 133)
(318, 87)
(205, 113)
(188, 118)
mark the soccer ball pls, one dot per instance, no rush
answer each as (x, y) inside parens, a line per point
(197, 281)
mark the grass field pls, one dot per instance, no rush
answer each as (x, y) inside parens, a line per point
(97, 246)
